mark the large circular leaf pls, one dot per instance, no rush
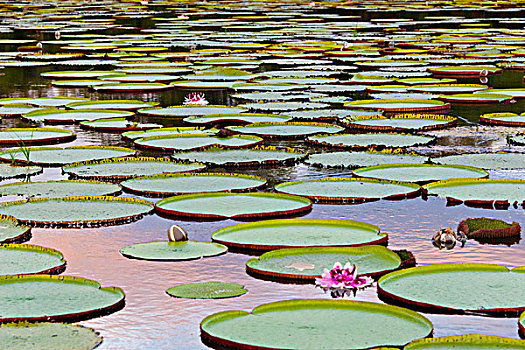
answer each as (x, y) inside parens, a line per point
(112, 104)
(61, 188)
(467, 342)
(286, 130)
(186, 111)
(34, 136)
(173, 184)
(329, 324)
(187, 130)
(116, 125)
(75, 211)
(59, 116)
(11, 231)
(23, 259)
(504, 119)
(360, 159)
(485, 160)
(370, 140)
(9, 171)
(309, 263)
(485, 288)
(233, 205)
(128, 167)
(172, 251)
(237, 118)
(296, 233)
(401, 105)
(55, 298)
(207, 290)
(188, 142)
(349, 190)
(44, 336)
(401, 122)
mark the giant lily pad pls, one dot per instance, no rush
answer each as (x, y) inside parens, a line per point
(172, 251)
(420, 173)
(128, 167)
(81, 74)
(62, 188)
(400, 106)
(299, 323)
(77, 211)
(467, 342)
(401, 122)
(59, 116)
(43, 336)
(256, 156)
(283, 106)
(130, 87)
(16, 109)
(207, 290)
(349, 190)
(186, 111)
(237, 118)
(34, 136)
(233, 205)
(504, 119)
(485, 160)
(112, 104)
(173, 184)
(296, 233)
(187, 130)
(286, 130)
(463, 70)
(487, 288)
(24, 259)
(361, 159)
(9, 171)
(188, 142)
(116, 125)
(11, 231)
(448, 88)
(55, 298)
(43, 101)
(371, 140)
(309, 263)
(56, 156)
(497, 192)
(475, 98)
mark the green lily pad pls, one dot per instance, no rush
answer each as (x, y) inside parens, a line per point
(17, 109)
(299, 323)
(207, 290)
(419, 173)
(76, 74)
(467, 342)
(309, 263)
(172, 251)
(186, 130)
(298, 233)
(479, 191)
(202, 85)
(361, 159)
(448, 88)
(237, 118)
(43, 101)
(8, 171)
(173, 184)
(371, 140)
(111, 104)
(43, 336)
(55, 298)
(222, 74)
(475, 98)
(61, 188)
(267, 96)
(128, 167)
(34, 136)
(24, 259)
(11, 231)
(401, 122)
(256, 156)
(503, 119)
(482, 285)
(116, 125)
(56, 156)
(233, 205)
(188, 142)
(517, 93)
(400, 106)
(77, 211)
(463, 70)
(59, 116)
(77, 83)
(267, 87)
(131, 87)
(485, 160)
(146, 78)
(349, 190)
(286, 130)
(186, 111)
(329, 114)
(283, 106)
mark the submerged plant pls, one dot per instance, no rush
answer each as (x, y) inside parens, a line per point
(342, 280)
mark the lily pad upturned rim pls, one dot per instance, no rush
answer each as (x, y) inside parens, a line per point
(245, 128)
(143, 142)
(24, 236)
(55, 270)
(439, 160)
(98, 125)
(135, 87)
(512, 230)
(427, 190)
(220, 250)
(185, 290)
(427, 105)
(315, 139)
(296, 304)
(68, 167)
(359, 171)
(306, 206)
(498, 119)
(382, 237)
(147, 111)
(448, 121)
(116, 189)
(96, 337)
(467, 340)
(76, 105)
(446, 267)
(51, 111)
(67, 136)
(127, 188)
(81, 223)
(252, 269)
(415, 190)
(63, 279)
(231, 118)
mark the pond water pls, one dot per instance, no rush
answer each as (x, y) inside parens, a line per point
(153, 319)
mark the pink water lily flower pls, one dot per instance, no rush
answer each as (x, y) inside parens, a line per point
(183, 16)
(195, 98)
(341, 280)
